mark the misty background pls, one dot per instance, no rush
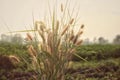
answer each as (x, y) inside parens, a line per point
(100, 17)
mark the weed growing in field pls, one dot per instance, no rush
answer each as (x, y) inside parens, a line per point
(56, 45)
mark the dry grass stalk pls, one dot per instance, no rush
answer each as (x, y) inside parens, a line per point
(42, 35)
(58, 43)
(57, 26)
(36, 25)
(50, 41)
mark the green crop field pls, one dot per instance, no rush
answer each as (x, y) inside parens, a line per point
(102, 62)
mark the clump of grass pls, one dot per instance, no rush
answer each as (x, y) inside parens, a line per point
(50, 58)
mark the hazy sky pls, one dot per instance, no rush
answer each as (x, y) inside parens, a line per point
(101, 17)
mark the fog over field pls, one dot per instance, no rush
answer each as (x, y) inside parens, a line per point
(101, 17)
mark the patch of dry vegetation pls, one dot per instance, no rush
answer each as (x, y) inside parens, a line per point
(56, 46)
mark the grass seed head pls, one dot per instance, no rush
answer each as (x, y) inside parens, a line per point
(65, 29)
(32, 51)
(71, 37)
(75, 39)
(79, 42)
(29, 37)
(79, 33)
(14, 58)
(61, 7)
(82, 26)
(71, 21)
(39, 25)
(57, 26)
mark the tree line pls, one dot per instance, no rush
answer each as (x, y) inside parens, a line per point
(18, 39)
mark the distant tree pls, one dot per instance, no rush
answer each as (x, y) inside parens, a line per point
(116, 40)
(17, 39)
(94, 40)
(86, 41)
(5, 38)
(101, 40)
